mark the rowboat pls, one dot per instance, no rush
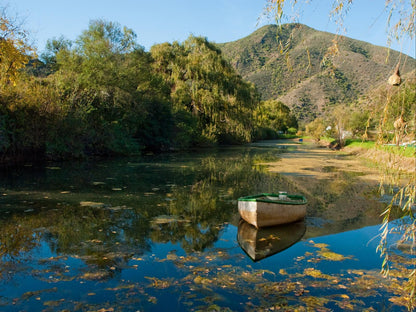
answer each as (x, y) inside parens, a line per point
(266, 209)
(265, 242)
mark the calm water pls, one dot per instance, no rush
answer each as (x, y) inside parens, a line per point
(162, 233)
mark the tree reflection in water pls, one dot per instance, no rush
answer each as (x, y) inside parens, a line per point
(79, 223)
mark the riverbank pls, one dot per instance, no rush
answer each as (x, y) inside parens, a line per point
(317, 157)
(384, 159)
(310, 159)
(340, 185)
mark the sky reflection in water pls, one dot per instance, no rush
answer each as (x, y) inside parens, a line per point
(160, 233)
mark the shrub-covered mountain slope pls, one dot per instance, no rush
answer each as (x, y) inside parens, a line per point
(292, 64)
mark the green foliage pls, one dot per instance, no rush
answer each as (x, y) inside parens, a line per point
(53, 48)
(316, 129)
(205, 88)
(358, 122)
(104, 95)
(28, 112)
(273, 118)
(107, 84)
(390, 105)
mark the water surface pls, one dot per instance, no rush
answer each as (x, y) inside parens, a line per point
(162, 233)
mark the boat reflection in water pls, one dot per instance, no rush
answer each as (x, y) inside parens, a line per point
(264, 242)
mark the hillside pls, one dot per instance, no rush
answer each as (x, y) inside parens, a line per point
(286, 64)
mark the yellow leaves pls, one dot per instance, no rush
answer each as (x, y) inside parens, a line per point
(93, 276)
(315, 302)
(158, 283)
(202, 280)
(326, 254)
(316, 273)
(275, 7)
(329, 255)
(171, 257)
(346, 305)
(14, 52)
(320, 245)
(3, 24)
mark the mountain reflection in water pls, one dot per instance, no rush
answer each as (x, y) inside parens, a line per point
(143, 233)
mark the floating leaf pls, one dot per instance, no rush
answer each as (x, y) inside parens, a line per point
(315, 302)
(52, 303)
(98, 183)
(152, 299)
(282, 272)
(171, 256)
(329, 255)
(321, 245)
(91, 204)
(98, 275)
(159, 283)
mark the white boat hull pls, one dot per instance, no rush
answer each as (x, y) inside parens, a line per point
(263, 213)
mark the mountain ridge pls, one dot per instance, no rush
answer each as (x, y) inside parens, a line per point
(291, 64)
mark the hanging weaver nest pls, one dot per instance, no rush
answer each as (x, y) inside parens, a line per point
(395, 79)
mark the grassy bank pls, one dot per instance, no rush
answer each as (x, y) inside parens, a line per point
(392, 157)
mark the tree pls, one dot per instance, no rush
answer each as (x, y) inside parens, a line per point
(107, 82)
(340, 119)
(206, 89)
(53, 48)
(358, 123)
(15, 51)
(316, 129)
(272, 117)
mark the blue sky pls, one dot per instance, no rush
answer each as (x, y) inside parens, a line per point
(157, 21)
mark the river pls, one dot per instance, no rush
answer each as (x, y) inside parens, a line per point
(162, 233)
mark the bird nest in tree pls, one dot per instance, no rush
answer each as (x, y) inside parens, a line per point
(395, 79)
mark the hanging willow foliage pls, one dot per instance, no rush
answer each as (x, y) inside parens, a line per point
(398, 117)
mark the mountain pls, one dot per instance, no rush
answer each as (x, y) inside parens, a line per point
(291, 63)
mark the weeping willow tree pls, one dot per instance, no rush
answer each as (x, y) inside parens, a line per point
(397, 118)
(206, 92)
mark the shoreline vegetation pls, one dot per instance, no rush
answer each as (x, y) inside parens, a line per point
(399, 158)
(103, 95)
